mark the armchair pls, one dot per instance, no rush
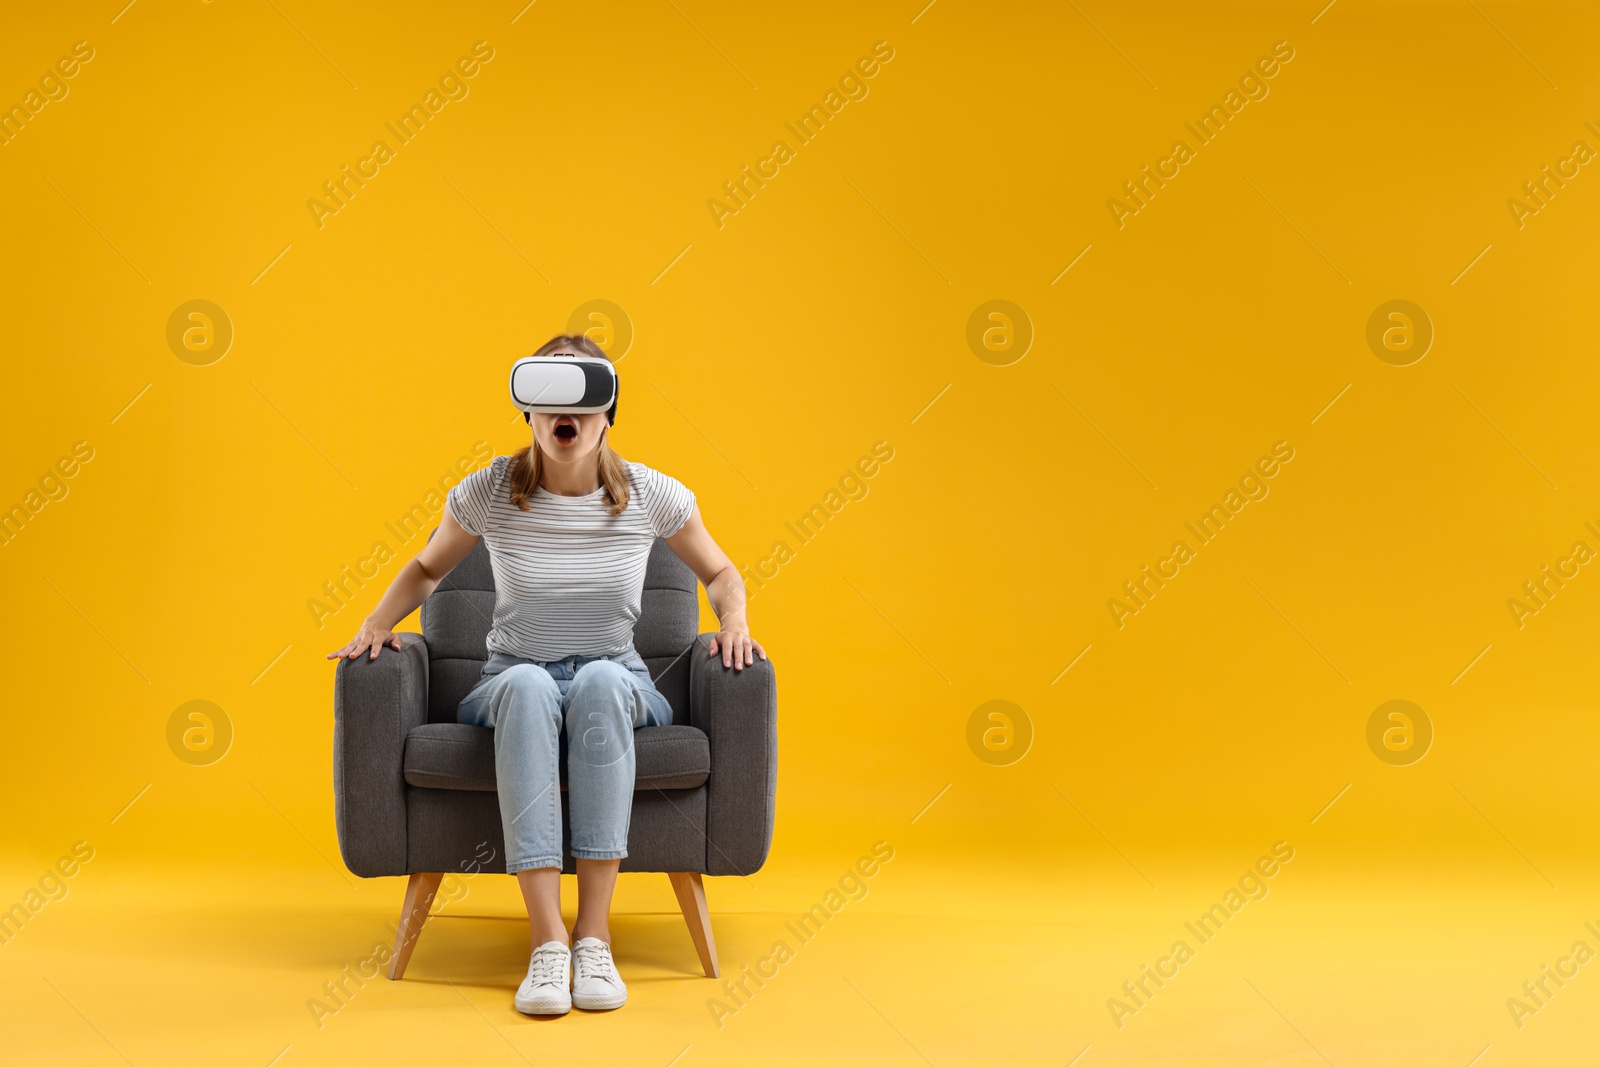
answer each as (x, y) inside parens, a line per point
(414, 790)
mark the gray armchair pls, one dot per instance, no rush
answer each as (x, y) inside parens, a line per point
(414, 790)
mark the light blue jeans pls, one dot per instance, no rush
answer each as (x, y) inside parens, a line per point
(581, 709)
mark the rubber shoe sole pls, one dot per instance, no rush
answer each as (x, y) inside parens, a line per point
(545, 1003)
(598, 1001)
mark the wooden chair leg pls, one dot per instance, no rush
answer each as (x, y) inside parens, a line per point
(413, 913)
(691, 893)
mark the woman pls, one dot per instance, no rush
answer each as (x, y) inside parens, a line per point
(569, 524)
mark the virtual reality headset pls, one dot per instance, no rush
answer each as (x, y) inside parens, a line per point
(563, 384)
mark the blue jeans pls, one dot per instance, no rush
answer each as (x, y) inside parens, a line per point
(581, 709)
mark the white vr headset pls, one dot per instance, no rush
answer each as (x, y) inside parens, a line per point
(565, 384)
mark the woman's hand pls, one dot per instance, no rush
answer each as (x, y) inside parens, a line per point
(724, 588)
(371, 636)
(738, 648)
(416, 582)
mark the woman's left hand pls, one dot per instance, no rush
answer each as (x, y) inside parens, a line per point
(738, 648)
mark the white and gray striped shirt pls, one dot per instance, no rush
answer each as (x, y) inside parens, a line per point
(568, 574)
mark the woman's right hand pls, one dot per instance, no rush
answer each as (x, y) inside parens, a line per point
(414, 584)
(372, 636)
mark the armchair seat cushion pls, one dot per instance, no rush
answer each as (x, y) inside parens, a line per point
(453, 755)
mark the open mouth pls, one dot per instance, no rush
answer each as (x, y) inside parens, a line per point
(566, 429)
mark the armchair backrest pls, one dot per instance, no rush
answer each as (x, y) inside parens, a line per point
(456, 620)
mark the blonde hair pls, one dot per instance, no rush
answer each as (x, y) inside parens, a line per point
(527, 464)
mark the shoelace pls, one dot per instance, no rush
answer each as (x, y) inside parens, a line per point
(546, 969)
(595, 962)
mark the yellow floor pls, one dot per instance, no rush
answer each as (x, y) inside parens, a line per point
(1356, 335)
(1406, 963)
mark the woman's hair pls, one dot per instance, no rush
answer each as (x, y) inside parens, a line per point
(527, 465)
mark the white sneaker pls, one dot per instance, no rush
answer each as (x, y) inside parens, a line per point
(544, 991)
(595, 982)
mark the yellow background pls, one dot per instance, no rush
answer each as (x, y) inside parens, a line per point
(769, 355)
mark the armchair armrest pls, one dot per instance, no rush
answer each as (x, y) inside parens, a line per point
(738, 712)
(376, 703)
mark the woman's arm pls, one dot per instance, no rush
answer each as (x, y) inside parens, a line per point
(724, 588)
(415, 583)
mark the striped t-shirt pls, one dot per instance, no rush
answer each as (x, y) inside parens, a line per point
(568, 574)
